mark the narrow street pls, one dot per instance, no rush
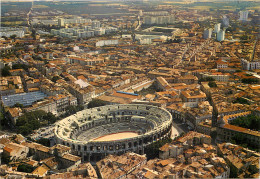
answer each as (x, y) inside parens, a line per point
(178, 128)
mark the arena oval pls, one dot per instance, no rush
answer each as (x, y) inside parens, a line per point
(84, 131)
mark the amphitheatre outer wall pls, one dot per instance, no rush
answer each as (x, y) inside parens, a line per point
(81, 130)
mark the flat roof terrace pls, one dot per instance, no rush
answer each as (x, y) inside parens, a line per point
(25, 99)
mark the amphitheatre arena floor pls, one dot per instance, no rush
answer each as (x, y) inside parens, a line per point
(116, 136)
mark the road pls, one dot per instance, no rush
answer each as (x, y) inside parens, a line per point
(178, 127)
(139, 23)
(253, 54)
(44, 132)
(28, 16)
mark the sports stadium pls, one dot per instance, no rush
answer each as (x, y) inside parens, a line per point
(113, 129)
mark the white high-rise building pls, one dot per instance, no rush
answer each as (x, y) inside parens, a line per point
(217, 27)
(141, 13)
(95, 24)
(207, 33)
(243, 15)
(225, 21)
(221, 35)
(61, 22)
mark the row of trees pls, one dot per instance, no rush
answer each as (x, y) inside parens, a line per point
(2, 120)
(250, 122)
(249, 80)
(25, 168)
(241, 140)
(6, 70)
(152, 151)
(206, 79)
(241, 101)
(96, 103)
(72, 110)
(211, 81)
(151, 90)
(34, 120)
(20, 66)
(212, 84)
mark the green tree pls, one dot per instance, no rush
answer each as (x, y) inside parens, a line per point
(71, 109)
(55, 78)
(241, 140)
(25, 168)
(206, 79)
(152, 151)
(249, 80)
(212, 84)
(233, 172)
(250, 122)
(5, 71)
(25, 129)
(66, 79)
(5, 37)
(241, 101)
(34, 34)
(79, 107)
(244, 37)
(2, 118)
(5, 159)
(20, 66)
(43, 141)
(18, 105)
(34, 120)
(210, 79)
(46, 62)
(50, 118)
(96, 103)
(13, 37)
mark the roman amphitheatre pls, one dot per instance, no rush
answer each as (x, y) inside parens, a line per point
(113, 129)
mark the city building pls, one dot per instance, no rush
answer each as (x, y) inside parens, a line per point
(102, 43)
(84, 61)
(218, 76)
(9, 31)
(207, 33)
(221, 35)
(243, 15)
(149, 20)
(177, 147)
(15, 151)
(61, 22)
(225, 21)
(95, 24)
(191, 98)
(120, 166)
(250, 65)
(244, 163)
(191, 155)
(227, 131)
(217, 27)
